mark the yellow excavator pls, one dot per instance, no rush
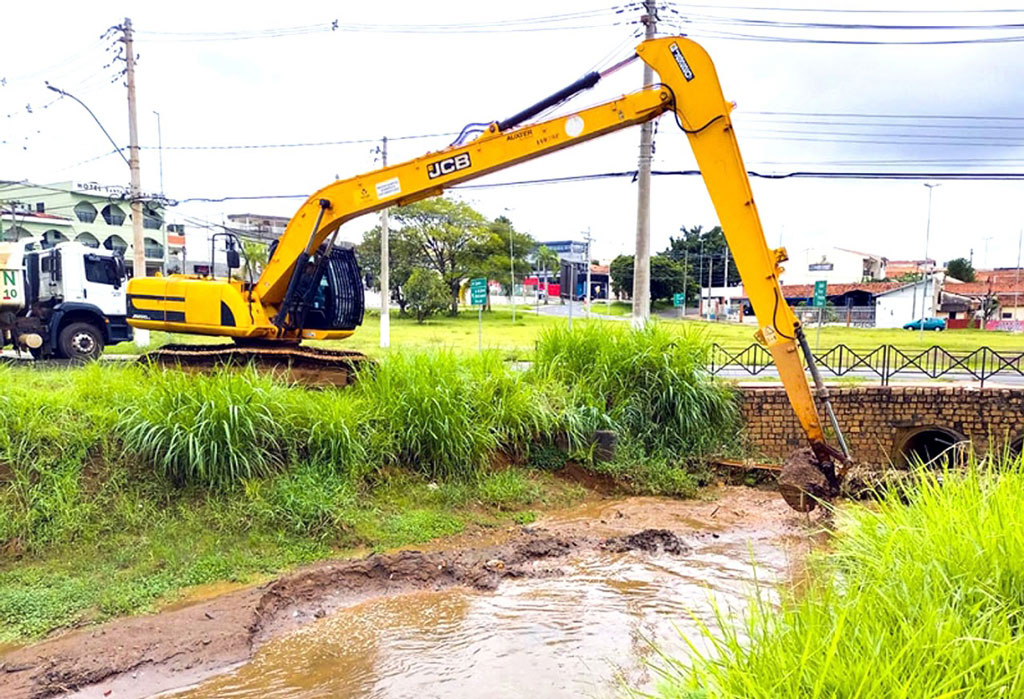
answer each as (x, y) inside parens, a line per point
(311, 287)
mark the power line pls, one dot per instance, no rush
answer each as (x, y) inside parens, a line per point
(557, 22)
(848, 10)
(311, 144)
(885, 115)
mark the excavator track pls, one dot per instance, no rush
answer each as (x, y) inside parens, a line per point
(309, 366)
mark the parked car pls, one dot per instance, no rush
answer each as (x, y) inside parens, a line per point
(929, 324)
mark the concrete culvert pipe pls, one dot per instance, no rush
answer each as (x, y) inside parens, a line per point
(927, 445)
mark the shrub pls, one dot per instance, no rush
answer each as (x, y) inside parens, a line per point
(651, 385)
(443, 415)
(919, 596)
(425, 294)
(210, 429)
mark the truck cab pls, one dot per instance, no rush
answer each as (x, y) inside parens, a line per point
(66, 301)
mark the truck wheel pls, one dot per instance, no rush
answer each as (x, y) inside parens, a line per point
(80, 342)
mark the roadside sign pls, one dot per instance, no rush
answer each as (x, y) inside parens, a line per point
(478, 291)
(820, 289)
(678, 299)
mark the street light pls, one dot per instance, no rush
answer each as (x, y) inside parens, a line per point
(160, 149)
(927, 235)
(63, 93)
(138, 244)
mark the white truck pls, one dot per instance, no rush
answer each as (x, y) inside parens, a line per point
(66, 301)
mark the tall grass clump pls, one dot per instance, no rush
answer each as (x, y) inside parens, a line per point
(921, 596)
(443, 415)
(210, 429)
(651, 384)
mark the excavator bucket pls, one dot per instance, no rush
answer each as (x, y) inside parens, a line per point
(805, 481)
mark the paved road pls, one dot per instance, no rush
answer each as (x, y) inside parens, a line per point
(578, 311)
(770, 372)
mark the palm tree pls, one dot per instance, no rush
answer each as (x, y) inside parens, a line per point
(546, 258)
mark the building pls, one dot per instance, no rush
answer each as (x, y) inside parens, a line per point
(901, 268)
(896, 307)
(93, 214)
(835, 266)
(569, 250)
(1008, 296)
(258, 226)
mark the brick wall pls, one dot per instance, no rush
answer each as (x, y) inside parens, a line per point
(877, 420)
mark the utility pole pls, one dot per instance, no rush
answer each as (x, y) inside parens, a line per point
(927, 236)
(138, 243)
(686, 269)
(385, 262)
(725, 277)
(160, 149)
(700, 284)
(511, 272)
(642, 255)
(1016, 274)
(711, 263)
(589, 238)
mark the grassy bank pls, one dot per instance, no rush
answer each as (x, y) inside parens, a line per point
(915, 599)
(517, 340)
(121, 485)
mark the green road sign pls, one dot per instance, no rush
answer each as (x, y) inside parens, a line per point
(820, 289)
(478, 291)
(678, 300)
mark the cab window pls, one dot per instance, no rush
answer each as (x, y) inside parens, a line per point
(101, 270)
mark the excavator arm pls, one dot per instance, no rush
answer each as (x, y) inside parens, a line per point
(688, 87)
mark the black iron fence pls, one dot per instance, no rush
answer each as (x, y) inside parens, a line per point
(883, 363)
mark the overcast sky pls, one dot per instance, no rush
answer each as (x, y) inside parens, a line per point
(213, 88)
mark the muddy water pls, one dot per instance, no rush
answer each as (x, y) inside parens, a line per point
(587, 632)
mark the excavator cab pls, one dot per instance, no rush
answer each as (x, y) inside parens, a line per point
(328, 292)
(331, 291)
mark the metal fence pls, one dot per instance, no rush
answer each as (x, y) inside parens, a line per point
(851, 316)
(883, 363)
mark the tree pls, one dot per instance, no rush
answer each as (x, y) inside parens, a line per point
(425, 293)
(696, 249)
(255, 253)
(493, 255)
(621, 273)
(545, 259)
(961, 268)
(401, 260)
(666, 277)
(448, 236)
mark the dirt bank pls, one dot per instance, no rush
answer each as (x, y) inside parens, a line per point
(141, 656)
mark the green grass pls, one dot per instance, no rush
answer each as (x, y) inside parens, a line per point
(649, 386)
(122, 484)
(517, 340)
(919, 596)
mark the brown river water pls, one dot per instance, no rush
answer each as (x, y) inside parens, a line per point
(592, 631)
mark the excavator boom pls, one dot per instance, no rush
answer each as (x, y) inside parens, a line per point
(276, 307)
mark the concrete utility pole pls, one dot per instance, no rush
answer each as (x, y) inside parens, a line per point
(385, 263)
(711, 263)
(138, 242)
(642, 256)
(511, 273)
(589, 239)
(927, 236)
(1016, 274)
